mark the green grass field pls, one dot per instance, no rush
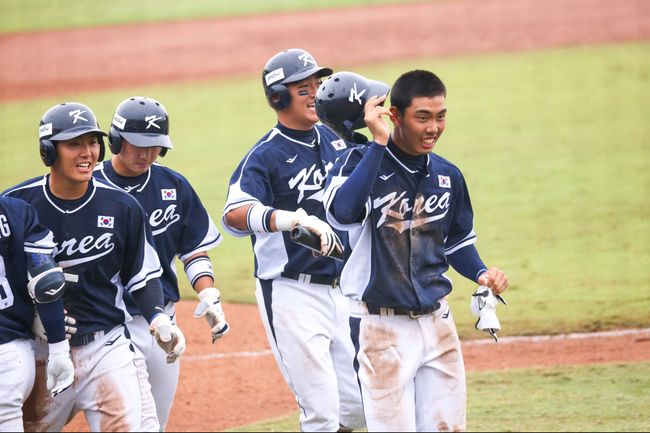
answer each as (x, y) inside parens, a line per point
(609, 397)
(35, 15)
(554, 147)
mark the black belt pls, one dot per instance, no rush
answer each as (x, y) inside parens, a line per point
(82, 340)
(413, 314)
(313, 279)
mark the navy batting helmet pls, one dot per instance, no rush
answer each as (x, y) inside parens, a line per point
(288, 66)
(64, 122)
(141, 121)
(341, 99)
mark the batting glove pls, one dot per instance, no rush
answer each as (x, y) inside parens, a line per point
(329, 240)
(210, 308)
(484, 306)
(168, 336)
(60, 370)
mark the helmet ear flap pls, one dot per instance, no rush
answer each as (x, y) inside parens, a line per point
(102, 148)
(114, 141)
(278, 96)
(48, 152)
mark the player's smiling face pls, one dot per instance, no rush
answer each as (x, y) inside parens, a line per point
(76, 158)
(133, 161)
(301, 112)
(421, 125)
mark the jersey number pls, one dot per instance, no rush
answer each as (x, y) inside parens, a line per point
(6, 295)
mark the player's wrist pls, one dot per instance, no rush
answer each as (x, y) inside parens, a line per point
(209, 293)
(59, 347)
(285, 220)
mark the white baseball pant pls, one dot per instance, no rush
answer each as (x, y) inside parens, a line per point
(106, 387)
(307, 326)
(411, 370)
(154, 372)
(17, 372)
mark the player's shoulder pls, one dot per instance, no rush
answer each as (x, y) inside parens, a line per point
(20, 189)
(440, 164)
(106, 191)
(14, 206)
(162, 171)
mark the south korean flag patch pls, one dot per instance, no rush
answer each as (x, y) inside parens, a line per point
(339, 145)
(168, 194)
(105, 222)
(444, 181)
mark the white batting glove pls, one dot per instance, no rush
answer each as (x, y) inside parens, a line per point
(484, 306)
(210, 308)
(329, 240)
(168, 336)
(60, 370)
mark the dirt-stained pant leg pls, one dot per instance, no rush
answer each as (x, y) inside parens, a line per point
(351, 411)
(144, 345)
(300, 323)
(17, 378)
(108, 390)
(440, 384)
(403, 361)
(41, 412)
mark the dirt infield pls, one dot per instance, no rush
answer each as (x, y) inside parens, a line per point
(236, 381)
(50, 63)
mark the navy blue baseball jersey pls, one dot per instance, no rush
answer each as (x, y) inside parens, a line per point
(20, 233)
(413, 219)
(104, 246)
(180, 224)
(286, 173)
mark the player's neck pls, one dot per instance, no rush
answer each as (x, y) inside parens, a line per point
(66, 188)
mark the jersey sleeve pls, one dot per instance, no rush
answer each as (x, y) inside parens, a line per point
(461, 231)
(199, 233)
(141, 262)
(340, 172)
(38, 239)
(249, 184)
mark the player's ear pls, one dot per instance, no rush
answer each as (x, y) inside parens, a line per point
(395, 116)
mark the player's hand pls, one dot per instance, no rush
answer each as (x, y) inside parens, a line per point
(495, 279)
(70, 325)
(374, 114)
(60, 370)
(329, 240)
(168, 336)
(210, 308)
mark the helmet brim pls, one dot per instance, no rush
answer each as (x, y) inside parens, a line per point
(319, 71)
(147, 140)
(75, 132)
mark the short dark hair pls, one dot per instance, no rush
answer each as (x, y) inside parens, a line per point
(414, 84)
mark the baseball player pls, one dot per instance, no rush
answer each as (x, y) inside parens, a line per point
(181, 227)
(409, 217)
(28, 273)
(278, 185)
(104, 246)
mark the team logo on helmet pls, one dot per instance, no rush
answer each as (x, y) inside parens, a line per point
(76, 114)
(307, 59)
(151, 121)
(355, 95)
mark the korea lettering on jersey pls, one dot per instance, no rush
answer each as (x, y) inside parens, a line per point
(179, 222)
(103, 245)
(412, 221)
(286, 174)
(20, 233)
